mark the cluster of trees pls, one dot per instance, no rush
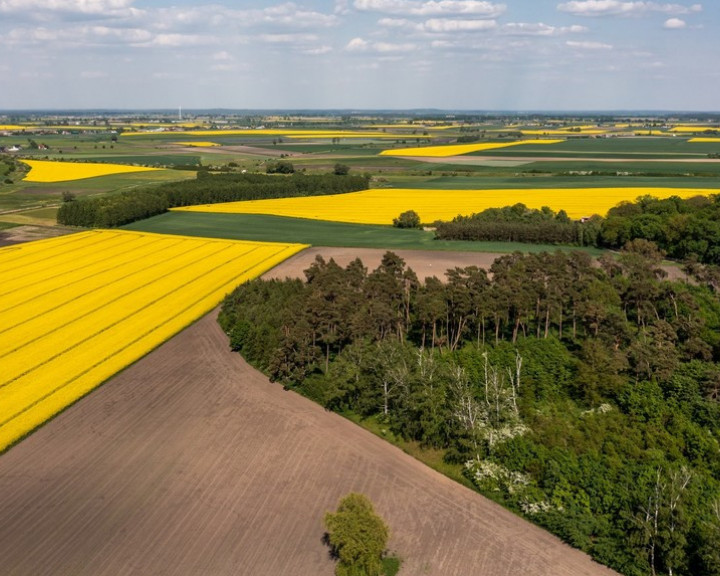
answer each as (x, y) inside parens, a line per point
(685, 229)
(519, 223)
(582, 395)
(280, 167)
(125, 207)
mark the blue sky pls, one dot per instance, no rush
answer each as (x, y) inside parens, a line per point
(361, 54)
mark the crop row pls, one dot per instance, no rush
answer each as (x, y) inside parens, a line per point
(75, 330)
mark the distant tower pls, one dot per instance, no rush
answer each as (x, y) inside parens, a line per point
(179, 112)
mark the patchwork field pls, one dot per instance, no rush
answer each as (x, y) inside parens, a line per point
(380, 206)
(79, 308)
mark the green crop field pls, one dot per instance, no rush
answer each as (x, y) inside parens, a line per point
(627, 147)
(547, 181)
(148, 159)
(317, 233)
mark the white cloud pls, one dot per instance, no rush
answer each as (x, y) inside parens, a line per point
(540, 29)
(102, 7)
(178, 41)
(222, 56)
(288, 38)
(360, 45)
(675, 24)
(617, 7)
(480, 9)
(589, 45)
(342, 7)
(357, 45)
(438, 25)
(444, 25)
(320, 50)
(287, 15)
(443, 44)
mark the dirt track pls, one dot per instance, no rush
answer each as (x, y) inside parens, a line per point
(191, 463)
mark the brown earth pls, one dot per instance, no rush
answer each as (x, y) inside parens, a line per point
(20, 234)
(425, 263)
(190, 462)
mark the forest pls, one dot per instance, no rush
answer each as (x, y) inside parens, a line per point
(128, 206)
(681, 228)
(582, 394)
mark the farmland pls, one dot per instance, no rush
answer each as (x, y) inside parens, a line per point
(380, 206)
(445, 151)
(190, 461)
(48, 171)
(79, 308)
(264, 228)
(189, 428)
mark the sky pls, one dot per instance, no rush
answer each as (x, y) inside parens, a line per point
(514, 55)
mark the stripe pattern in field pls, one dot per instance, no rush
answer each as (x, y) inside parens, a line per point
(79, 308)
(382, 205)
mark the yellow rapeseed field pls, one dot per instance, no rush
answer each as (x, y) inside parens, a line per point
(707, 140)
(50, 171)
(693, 128)
(458, 149)
(198, 144)
(380, 206)
(13, 127)
(79, 308)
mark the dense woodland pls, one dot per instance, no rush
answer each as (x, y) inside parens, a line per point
(683, 229)
(583, 395)
(129, 206)
(518, 223)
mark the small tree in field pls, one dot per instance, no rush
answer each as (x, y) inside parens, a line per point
(409, 219)
(341, 169)
(358, 537)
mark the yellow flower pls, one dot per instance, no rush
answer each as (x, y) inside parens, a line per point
(80, 308)
(50, 171)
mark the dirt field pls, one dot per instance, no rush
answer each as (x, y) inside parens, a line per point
(191, 463)
(29, 233)
(426, 263)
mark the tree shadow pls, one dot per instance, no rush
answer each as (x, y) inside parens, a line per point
(332, 551)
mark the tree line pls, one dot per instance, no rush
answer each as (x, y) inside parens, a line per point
(682, 228)
(125, 207)
(518, 223)
(581, 394)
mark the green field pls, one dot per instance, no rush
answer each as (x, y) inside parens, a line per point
(621, 147)
(318, 233)
(148, 159)
(530, 180)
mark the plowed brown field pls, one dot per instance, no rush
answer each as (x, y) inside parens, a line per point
(191, 463)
